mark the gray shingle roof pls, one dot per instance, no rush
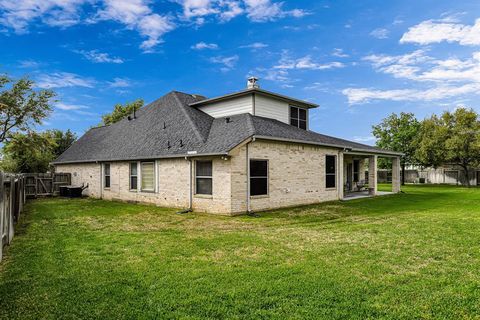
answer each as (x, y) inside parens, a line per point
(170, 127)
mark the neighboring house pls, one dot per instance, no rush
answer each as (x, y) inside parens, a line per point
(246, 151)
(446, 174)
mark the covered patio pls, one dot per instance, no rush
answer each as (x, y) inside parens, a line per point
(359, 175)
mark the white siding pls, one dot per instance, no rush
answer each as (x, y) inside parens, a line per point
(229, 107)
(272, 108)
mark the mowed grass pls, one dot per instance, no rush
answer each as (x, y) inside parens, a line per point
(412, 255)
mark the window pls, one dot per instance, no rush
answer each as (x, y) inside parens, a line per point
(148, 176)
(258, 177)
(203, 177)
(330, 171)
(298, 117)
(133, 176)
(106, 175)
(356, 170)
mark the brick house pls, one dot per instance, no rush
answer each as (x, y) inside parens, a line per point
(246, 151)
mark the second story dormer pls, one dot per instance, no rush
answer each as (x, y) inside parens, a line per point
(259, 102)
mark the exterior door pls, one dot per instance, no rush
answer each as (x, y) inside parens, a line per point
(451, 177)
(349, 176)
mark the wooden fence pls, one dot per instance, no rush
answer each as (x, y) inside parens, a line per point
(12, 200)
(45, 184)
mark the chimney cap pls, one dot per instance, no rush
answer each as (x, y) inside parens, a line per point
(252, 82)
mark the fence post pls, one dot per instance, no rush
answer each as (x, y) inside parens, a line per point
(11, 230)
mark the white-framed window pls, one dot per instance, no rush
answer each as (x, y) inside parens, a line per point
(203, 177)
(298, 117)
(133, 175)
(106, 175)
(330, 171)
(147, 176)
(258, 177)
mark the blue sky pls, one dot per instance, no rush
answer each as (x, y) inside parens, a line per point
(360, 60)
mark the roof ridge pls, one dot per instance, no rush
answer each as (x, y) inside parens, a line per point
(250, 123)
(192, 123)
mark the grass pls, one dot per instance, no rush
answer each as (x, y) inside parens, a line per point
(413, 255)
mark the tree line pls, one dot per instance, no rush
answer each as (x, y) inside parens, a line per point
(22, 110)
(452, 138)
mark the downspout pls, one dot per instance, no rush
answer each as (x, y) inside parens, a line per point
(249, 209)
(190, 196)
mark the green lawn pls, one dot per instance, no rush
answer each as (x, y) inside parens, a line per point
(413, 255)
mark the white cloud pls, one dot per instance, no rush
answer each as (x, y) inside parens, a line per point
(255, 45)
(99, 57)
(305, 63)
(339, 53)
(63, 80)
(365, 95)
(17, 15)
(363, 139)
(120, 83)
(202, 45)
(380, 33)
(442, 79)
(435, 31)
(227, 62)
(225, 10)
(265, 10)
(137, 15)
(70, 107)
(28, 64)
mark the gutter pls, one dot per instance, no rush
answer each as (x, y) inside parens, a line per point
(383, 152)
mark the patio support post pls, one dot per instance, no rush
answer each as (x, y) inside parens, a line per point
(340, 175)
(372, 175)
(396, 174)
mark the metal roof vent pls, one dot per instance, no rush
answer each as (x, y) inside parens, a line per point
(252, 83)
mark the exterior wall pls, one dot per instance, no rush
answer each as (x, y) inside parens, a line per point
(84, 173)
(229, 107)
(272, 108)
(172, 184)
(296, 175)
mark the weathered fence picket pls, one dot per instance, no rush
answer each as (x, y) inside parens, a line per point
(12, 200)
(45, 184)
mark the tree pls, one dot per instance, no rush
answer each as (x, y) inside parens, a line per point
(121, 111)
(453, 138)
(28, 152)
(398, 133)
(63, 140)
(20, 106)
(33, 152)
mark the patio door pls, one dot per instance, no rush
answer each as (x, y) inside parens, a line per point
(349, 176)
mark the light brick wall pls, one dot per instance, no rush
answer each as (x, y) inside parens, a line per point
(172, 184)
(84, 173)
(296, 175)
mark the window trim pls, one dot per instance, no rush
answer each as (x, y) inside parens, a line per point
(203, 177)
(262, 177)
(141, 175)
(104, 176)
(290, 106)
(329, 174)
(130, 176)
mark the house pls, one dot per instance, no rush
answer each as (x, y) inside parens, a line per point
(246, 151)
(445, 174)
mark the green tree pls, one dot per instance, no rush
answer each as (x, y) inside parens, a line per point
(398, 133)
(33, 152)
(63, 140)
(453, 138)
(28, 152)
(121, 111)
(21, 107)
